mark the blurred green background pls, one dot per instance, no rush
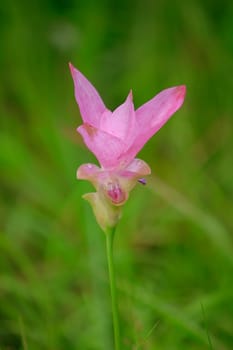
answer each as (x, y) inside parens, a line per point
(173, 247)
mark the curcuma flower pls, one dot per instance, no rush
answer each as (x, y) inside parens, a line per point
(115, 138)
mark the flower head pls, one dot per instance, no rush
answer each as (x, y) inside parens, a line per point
(116, 137)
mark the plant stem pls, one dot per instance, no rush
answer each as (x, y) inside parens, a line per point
(115, 317)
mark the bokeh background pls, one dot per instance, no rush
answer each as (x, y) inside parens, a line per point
(173, 248)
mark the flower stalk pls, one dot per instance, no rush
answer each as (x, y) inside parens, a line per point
(112, 280)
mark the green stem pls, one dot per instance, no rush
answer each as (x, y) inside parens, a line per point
(115, 317)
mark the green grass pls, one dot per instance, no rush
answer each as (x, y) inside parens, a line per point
(173, 247)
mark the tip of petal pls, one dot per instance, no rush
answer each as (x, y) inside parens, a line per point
(180, 91)
(71, 67)
(74, 71)
(130, 95)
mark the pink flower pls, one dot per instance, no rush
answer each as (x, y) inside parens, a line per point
(116, 137)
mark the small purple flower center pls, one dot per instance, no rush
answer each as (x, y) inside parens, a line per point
(115, 193)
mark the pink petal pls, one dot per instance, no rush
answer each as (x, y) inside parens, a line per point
(139, 167)
(107, 148)
(134, 171)
(121, 123)
(153, 115)
(90, 172)
(156, 112)
(87, 171)
(90, 103)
